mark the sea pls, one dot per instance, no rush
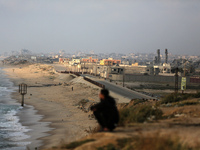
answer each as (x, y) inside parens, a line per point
(13, 135)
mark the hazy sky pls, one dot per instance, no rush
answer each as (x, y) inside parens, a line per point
(121, 26)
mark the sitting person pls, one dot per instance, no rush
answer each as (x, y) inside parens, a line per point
(106, 111)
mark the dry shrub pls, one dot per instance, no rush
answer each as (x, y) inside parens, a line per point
(171, 98)
(76, 144)
(139, 113)
(149, 142)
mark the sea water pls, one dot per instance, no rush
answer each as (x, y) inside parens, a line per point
(12, 132)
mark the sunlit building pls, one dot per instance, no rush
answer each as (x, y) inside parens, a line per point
(109, 62)
(89, 60)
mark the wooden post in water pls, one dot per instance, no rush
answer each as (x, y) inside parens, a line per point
(22, 91)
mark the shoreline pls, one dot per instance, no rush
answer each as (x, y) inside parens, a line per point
(58, 119)
(29, 117)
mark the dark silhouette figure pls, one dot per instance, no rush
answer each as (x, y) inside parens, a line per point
(106, 111)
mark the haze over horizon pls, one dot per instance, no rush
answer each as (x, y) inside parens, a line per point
(104, 26)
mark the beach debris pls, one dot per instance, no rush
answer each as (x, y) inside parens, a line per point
(92, 130)
(66, 84)
(91, 116)
(85, 104)
(94, 91)
(51, 77)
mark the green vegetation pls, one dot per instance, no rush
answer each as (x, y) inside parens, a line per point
(139, 101)
(171, 98)
(186, 102)
(76, 144)
(139, 113)
(151, 142)
(197, 95)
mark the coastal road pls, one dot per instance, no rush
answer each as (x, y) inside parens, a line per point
(130, 94)
(119, 89)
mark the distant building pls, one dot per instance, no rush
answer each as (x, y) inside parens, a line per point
(64, 60)
(135, 64)
(75, 61)
(57, 56)
(109, 62)
(33, 58)
(107, 71)
(117, 70)
(89, 60)
(25, 52)
(125, 62)
(166, 68)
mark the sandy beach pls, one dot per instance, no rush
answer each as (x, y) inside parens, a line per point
(55, 104)
(55, 116)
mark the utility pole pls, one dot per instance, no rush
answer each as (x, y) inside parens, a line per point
(123, 76)
(96, 67)
(183, 81)
(176, 80)
(184, 69)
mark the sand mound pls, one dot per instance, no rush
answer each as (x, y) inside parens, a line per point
(64, 77)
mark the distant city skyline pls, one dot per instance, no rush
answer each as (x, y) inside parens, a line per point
(107, 26)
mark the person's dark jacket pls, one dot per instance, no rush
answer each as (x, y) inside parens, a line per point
(107, 107)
